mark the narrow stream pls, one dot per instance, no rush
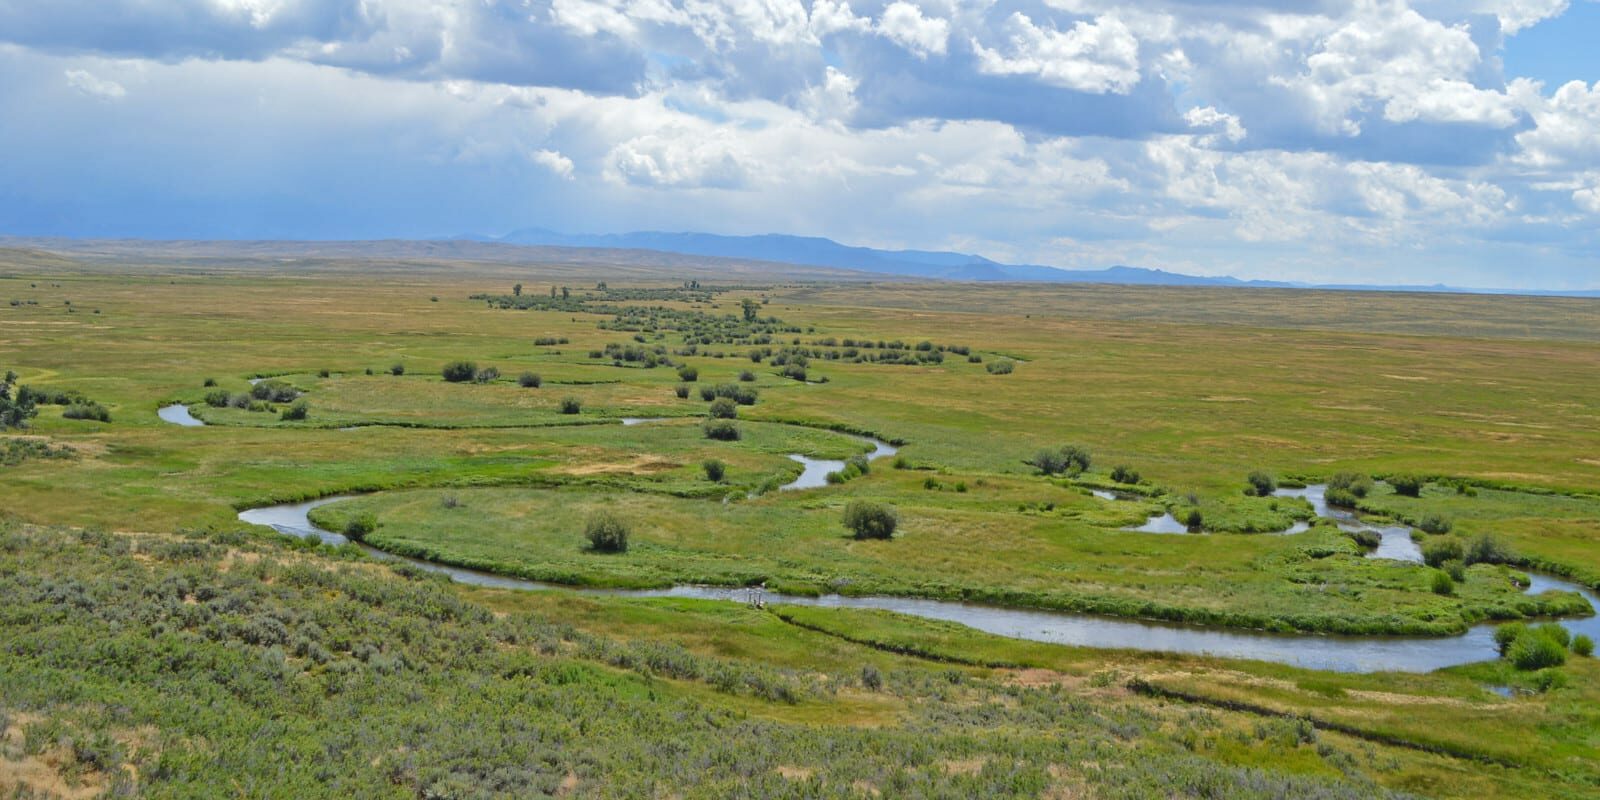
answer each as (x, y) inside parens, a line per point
(1335, 653)
(1395, 541)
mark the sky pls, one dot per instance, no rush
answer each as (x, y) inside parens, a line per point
(1371, 141)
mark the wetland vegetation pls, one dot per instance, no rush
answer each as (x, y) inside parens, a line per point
(1028, 442)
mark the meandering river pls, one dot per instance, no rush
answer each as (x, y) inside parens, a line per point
(1336, 653)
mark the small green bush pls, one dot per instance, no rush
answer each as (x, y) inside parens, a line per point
(1194, 520)
(681, 390)
(296, 412)
(1342, 498)
(1583, 645)
(1442, 583)
(606, 533)
(571, 405)
(1407, 485)
(1505, 634)
(459, 371)
(274, 391)
(360, 527)
(1069, 459)
(868, 520)
(1355, 483)
(743, 395)
(723, 408)
(1434, 523)
(871, 678)
(688, 374)
(1547, 679)
(530, 380)
(1437, 552)
(486, 375)
(1532, 651)
(397, 369)
(722, 430)
(747, 376)
(715, 470)
(1487, 549)
(1124, 474)
(1003, 367)
(1554, 633)
(1261, 484)
(87, 410)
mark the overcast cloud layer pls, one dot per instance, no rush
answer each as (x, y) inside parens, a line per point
(1367, 141)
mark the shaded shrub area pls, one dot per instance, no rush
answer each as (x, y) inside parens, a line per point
(458, 371)
(868, 520)
(606, 533)
(16, 451)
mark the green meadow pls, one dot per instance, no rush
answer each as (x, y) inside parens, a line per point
(135, 585)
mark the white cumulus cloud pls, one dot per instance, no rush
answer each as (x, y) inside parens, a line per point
(554, 161)
(904, 24)
(1099, 56)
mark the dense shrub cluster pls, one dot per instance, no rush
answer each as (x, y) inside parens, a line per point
(272, 391)
(606, 533)
(743, 395)
(1354, 483)
(723, 408)
(854, 467)
(459, 371)
(87, 410)
(1532, 647)
(15, 407)
(1435, 523)
(1125, 474)
(1261, 483)
(868, 520)
(722, 430)
(1407, 485)
(1480, 549)
(16, 451)
(1065, 460)
(18, 404)
(647, 357)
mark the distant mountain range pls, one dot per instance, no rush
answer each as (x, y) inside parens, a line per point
(930, 264)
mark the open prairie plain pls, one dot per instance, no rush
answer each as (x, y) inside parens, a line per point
(1017, 436)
